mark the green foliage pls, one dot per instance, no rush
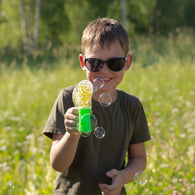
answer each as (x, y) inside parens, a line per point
(54, 21)
(165, 87)
(10, 30)
(77, 12)
(63, 21)
(190, 16)
(139, 14)
(156, 49)
(169, 15)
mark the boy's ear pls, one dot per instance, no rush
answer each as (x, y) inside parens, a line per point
(128, 62)
(82, 63)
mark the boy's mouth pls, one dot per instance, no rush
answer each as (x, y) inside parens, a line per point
(106, 80)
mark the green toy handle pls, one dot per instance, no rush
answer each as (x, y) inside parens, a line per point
(85, 120)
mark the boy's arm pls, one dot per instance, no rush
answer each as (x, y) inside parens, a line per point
(63, 150)
(136, 162)
(64, 147)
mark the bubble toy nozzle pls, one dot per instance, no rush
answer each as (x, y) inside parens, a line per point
(82, 95)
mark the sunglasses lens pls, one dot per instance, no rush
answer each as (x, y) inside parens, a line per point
(93, 65)
(116, 64)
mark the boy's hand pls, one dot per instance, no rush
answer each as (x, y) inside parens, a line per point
(115, 187)
(71, 120)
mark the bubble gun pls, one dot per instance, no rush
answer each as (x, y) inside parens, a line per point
(82, 95)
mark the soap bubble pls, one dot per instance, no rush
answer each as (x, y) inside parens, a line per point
(141, 177)
(93, 123)
(98, 83)
(99, 132)
(105, 99)
(86, 134)
(93, 120)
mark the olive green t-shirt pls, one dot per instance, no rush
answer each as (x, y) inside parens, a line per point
(124, 122)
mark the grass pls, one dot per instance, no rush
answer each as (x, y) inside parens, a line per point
(162, 77)
(168, 95)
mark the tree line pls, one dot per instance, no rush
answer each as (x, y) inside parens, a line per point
(29, 25)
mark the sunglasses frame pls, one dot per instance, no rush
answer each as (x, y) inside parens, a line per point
(99, 67)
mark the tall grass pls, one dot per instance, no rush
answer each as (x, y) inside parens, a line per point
(162, 77)
(168, 95)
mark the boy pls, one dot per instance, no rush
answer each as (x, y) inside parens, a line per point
(87, 165)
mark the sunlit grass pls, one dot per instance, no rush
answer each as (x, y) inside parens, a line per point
(26, 99)
(168, 95)
(166, 88)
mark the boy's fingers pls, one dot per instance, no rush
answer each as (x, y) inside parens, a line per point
(70, 123)
(72, 129)
(72, 111)
(71, 120)
(106, 188)
(75, 110)
(71, 115)
(112, 173)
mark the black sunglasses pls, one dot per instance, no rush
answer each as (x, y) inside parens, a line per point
(114, 64)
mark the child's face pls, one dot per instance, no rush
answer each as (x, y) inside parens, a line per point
(111, 78)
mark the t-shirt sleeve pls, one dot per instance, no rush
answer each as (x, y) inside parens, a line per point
(141, 131)
(55, 122)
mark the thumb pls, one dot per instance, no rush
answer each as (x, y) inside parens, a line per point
(112, 173)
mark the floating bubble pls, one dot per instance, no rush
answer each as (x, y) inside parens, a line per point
(105, 99)
(99, 132)
(98, 83)
(95, 87)
(89, 123)
(141, 177)
(93, 120)
(86, 134)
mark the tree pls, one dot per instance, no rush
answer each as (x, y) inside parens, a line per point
(27, 24)
(189, 13)
(123, 12)
(2, 18)
(168, 15)
(139, 14)
(30, 31)
(55, 23)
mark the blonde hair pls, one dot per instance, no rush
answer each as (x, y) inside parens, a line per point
(104, 30)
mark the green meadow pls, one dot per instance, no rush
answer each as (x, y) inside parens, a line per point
(162, 75)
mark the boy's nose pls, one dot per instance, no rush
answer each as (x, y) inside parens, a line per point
(105, 67)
